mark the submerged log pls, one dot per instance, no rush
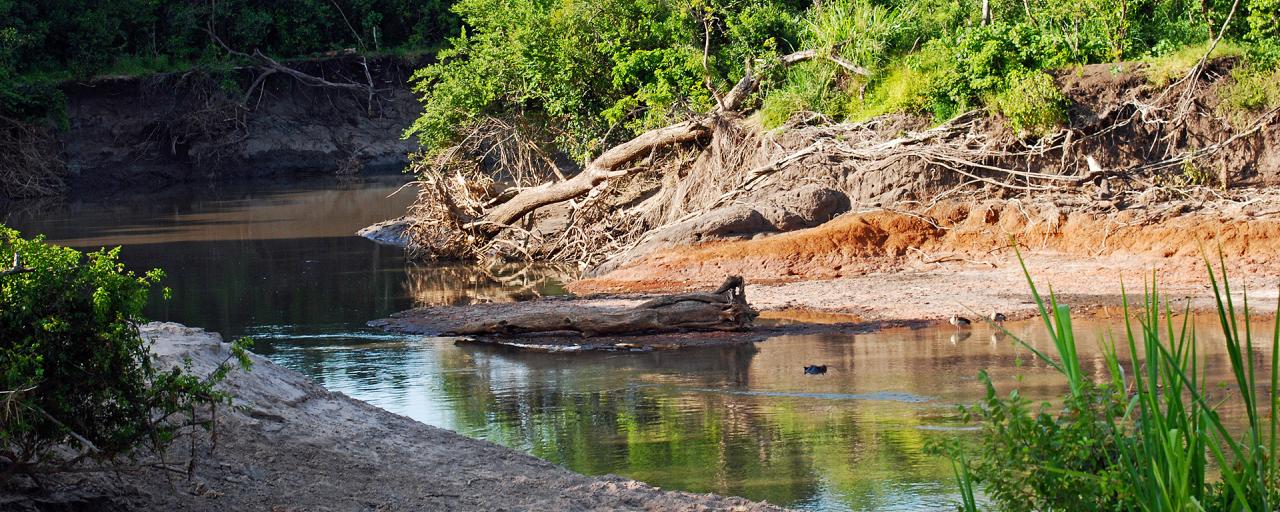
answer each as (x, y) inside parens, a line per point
(725, 309)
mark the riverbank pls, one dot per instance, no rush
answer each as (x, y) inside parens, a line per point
(142, 133)
(289, 444)
(956, 258)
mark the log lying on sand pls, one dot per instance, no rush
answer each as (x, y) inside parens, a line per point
(725, 309)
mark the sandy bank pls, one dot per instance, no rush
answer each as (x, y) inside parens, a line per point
(955, 257)
(291, 445)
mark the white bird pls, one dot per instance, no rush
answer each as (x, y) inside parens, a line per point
(959, 321)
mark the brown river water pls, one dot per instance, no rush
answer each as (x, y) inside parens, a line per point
(279, 263)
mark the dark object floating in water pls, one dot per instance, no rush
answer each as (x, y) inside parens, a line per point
(815, 369)
(959, 321)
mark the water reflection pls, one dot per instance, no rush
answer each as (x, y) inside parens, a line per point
(441, 285)
(278, 263)
(743, 421)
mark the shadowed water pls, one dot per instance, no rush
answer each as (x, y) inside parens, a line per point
(279, 263)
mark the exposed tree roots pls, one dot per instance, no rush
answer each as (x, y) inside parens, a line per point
(635, 188)
(29, 161)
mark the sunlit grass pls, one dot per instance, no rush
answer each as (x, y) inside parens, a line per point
(1163, 70)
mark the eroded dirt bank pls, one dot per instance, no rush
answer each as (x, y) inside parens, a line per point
(176, 127)
(291, 445)
(956, 257)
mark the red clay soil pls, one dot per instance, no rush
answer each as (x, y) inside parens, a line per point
(902, 265)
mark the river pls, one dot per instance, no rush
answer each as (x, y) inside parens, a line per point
(279, 263)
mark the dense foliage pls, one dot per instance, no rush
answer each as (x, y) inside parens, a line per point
(46, 41)
(73, 369)
(584, 71)
(585, 74)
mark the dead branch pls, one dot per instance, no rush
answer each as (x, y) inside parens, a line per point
(17, 267)
(602, 168)
(270, 66)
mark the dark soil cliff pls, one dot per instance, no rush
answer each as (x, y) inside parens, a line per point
(149, 131)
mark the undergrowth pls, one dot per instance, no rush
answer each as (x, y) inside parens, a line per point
(1253, 88)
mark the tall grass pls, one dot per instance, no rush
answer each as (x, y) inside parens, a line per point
(1174, 451)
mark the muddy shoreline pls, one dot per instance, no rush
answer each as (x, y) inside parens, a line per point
(288, 444)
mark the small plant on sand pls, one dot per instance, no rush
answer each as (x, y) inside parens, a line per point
(76, 379)
(1148, 437)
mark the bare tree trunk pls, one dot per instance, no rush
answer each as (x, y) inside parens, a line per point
(599, 170)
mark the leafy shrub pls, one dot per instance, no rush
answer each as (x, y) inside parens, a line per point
(1032, 103)
(998, 66)
(1062, 458)
(1252, 88)
(1264, 20)
(75, 371)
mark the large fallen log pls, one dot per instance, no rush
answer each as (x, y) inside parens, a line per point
(725, 309)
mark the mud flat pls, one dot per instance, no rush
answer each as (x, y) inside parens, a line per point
(291, 445)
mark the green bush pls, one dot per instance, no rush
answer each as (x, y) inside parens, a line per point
(73, 369)
(1032, 103)
(998, 66)
(1252, 88)
(1264, 20)
(1079, 437)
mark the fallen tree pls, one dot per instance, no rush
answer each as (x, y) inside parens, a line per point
(724, 309)
(461, 214)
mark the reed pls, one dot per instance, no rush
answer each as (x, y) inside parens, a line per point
(1163, 445)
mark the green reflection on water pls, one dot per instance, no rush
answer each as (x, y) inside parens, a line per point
(659, 419)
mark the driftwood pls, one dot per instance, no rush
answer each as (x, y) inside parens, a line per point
(725, 309)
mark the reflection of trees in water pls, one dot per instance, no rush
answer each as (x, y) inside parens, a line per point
(446, 285)
(661, 418)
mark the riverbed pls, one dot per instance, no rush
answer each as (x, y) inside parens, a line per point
(279, 263)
